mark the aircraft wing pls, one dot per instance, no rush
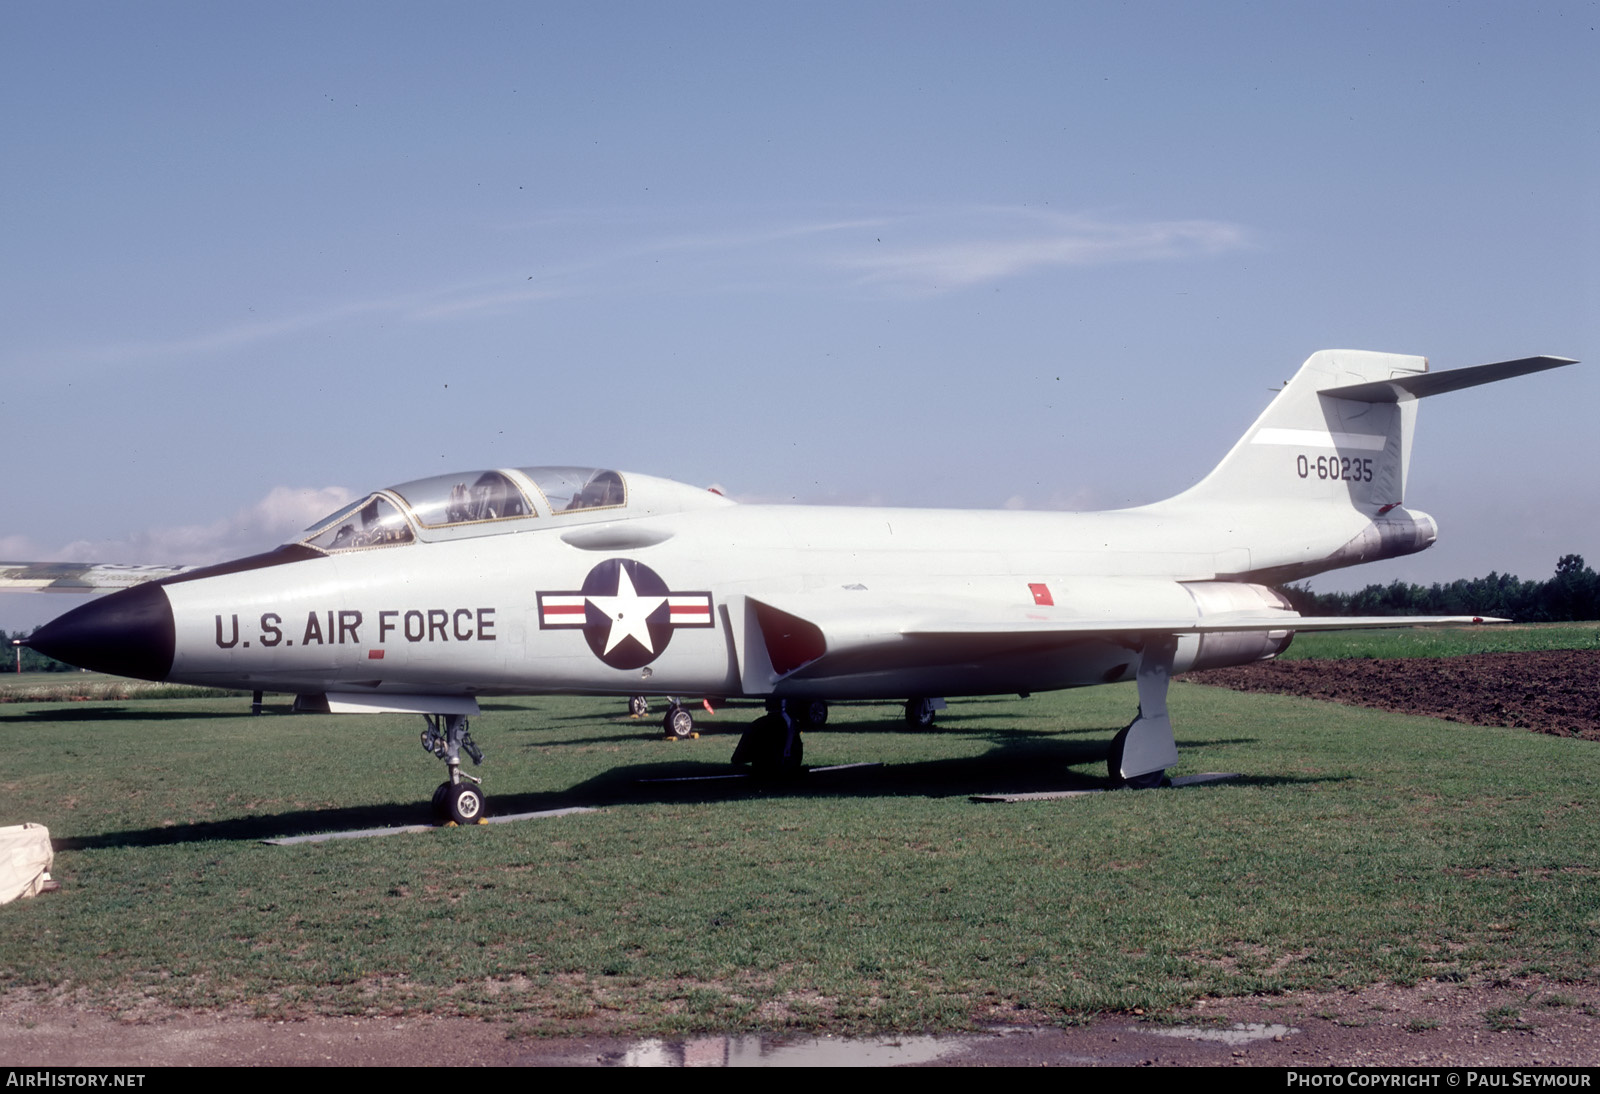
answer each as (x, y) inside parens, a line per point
(1238, 622)
(77, 577)
(825, 634)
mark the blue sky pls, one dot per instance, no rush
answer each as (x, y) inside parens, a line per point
(258, 257)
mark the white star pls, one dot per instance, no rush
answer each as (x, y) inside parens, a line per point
(628, 611)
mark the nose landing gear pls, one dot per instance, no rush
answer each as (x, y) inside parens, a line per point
(459, 799)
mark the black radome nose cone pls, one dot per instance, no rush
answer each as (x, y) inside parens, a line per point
(128, 633)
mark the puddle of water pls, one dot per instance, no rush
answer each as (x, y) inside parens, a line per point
(1241, 1033)
(754, 1050)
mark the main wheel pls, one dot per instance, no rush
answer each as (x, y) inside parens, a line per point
(1148, 781)
(638, 706)
(753, 741)
(465, 803)
(769, 761)
(919, 713)
(678, 724)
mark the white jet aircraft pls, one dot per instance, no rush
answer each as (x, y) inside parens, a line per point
(558, 580)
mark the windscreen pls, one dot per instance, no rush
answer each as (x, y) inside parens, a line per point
(374, 521)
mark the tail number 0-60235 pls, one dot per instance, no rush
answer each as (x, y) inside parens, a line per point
(1358, 469)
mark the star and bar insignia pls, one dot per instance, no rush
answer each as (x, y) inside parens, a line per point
(626, 611)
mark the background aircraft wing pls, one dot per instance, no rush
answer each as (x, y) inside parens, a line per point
(78, 577)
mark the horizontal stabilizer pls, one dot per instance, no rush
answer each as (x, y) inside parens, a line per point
(1421, 384)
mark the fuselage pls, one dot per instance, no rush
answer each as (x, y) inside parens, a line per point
(571, 580)
(507, 612)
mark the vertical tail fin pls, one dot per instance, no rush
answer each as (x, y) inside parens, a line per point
(1340, 432)
(1319, 480)
(1311, 445)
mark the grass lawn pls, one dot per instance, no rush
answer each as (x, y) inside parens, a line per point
(1358, 847)
(1447, 641)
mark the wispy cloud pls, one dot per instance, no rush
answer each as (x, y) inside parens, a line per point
(1013, 244)
(920, 251)
(279, 517)
(915, 252)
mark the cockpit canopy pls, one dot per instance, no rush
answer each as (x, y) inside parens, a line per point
(488, 502)
(371, 522)
(463, 499)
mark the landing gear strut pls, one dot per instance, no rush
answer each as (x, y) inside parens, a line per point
(1143, 750)
(459, 799)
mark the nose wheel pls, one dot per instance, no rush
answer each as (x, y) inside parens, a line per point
(459, 799)
(459, 803)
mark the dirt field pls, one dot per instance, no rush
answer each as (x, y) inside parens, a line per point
(1430, 1025)
(1556, 692)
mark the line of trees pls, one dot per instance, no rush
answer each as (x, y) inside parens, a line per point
(32, 660)
(1572, 594)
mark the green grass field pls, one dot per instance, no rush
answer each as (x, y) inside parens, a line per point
(1358, 847)
(1446, 641)
(51, 687)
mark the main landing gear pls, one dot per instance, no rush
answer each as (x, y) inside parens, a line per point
(772, 745)
(459, 799)
(1143, 750)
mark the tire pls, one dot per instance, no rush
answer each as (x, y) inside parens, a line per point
(465, 803)
(808, 713)
(769, 762)
(638, 706)
(441, 811)
(678, 724)
(919, 714)
(753, 742)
